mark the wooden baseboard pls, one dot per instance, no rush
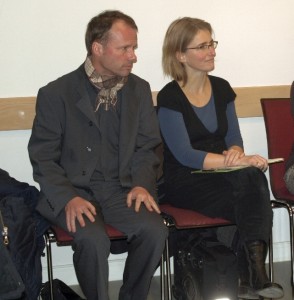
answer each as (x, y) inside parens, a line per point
(17, 113)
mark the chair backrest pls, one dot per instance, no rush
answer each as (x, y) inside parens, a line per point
(292, 97)
(279, 124)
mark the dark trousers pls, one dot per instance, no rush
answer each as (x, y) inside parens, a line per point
(240, 196)
(146, 234)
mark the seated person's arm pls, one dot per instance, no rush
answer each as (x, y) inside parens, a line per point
(233, 138)
(172, 122)
(176, 137)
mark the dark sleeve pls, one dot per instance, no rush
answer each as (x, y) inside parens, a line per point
(233, 137)
(170, 122)
(45, 146)
(145, 162)
(222, 90)
(170, 97)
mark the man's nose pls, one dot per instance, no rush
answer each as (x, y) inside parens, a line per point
(132, 55)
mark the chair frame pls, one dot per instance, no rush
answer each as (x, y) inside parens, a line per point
(282, 198)
(181, 219)
(52, 235)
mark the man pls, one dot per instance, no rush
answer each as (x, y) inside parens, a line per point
(92, 152)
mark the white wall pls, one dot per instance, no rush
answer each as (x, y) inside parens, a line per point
(41, 40)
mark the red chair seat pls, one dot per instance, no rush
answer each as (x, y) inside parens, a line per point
(283, 194)
(186, 218)
(63, 238)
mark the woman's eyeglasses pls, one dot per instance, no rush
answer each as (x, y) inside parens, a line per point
(204, 47)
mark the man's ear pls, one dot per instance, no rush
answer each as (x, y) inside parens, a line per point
(181, 57)
(97, 48)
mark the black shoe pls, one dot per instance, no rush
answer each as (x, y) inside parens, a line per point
(271, 290)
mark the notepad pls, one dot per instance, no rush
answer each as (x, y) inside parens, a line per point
(219, 170)
(234, 168)
(275, 160)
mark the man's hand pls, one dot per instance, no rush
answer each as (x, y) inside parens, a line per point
(75, 209)
(141, 195)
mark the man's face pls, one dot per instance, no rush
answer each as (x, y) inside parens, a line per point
(117, 55)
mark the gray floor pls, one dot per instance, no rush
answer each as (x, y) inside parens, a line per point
(282, 276)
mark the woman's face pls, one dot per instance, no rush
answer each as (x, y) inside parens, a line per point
(200, 53)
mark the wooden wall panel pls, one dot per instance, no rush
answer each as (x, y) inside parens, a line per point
(18, 113)
(248, 98)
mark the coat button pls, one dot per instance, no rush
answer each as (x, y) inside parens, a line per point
(90, 123)
(84, 173)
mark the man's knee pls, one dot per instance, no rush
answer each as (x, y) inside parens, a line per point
(89, 239)
(155, 229)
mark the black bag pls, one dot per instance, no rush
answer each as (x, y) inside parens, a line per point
(204, 268)
(11, 284)
(61, 291)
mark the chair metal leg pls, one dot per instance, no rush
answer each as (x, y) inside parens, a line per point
(48, 239)
(168, 271)
(290, 210)
(162, 277)
(165, 274)
(271, 258)
(291, 224)
(292, 243)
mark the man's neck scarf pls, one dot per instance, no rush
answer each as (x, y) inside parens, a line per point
(108, 86)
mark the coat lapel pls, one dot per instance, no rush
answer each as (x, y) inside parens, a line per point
(128, 122)
(84, 102)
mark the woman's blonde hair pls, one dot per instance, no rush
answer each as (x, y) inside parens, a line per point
(178, 36)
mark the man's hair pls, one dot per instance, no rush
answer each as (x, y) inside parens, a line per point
(99, 26)
(177, 38)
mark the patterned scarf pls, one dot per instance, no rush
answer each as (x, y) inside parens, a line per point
(108, 86)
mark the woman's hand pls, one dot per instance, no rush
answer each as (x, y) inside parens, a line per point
(255, 161)
(232, 156)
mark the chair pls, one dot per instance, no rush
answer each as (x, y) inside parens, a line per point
(62, 238)
(279, 125)
(180, 219)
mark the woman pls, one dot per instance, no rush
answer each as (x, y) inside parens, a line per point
(200, 131)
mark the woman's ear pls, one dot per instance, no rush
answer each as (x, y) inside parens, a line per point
(181, 57)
